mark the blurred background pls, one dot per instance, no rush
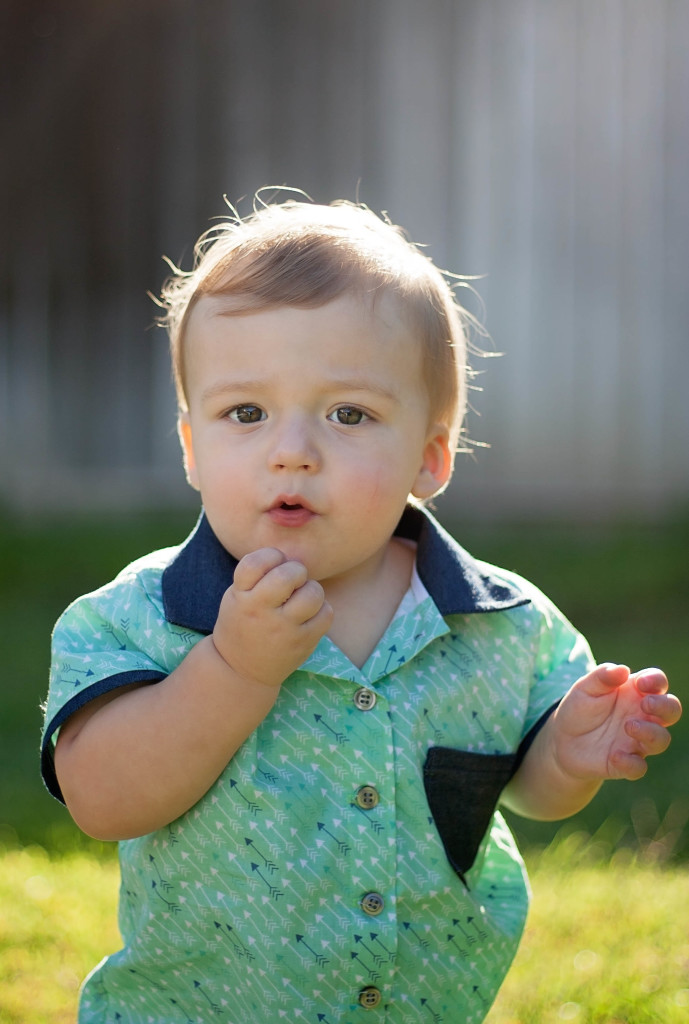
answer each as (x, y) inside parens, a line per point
(540, 145)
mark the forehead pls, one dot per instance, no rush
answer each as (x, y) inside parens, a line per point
(376, 306)
(370, 326)
(348, 345)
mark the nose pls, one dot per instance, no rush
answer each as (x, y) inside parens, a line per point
(294, 445)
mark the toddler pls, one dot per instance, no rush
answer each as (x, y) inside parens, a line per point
(299, 723)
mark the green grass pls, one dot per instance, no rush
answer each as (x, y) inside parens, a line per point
(57, 920)
(606, 943)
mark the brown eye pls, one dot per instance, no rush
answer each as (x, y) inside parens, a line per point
(246, 414)
(348, 415)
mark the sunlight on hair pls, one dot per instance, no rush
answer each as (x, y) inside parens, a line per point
(292, 251)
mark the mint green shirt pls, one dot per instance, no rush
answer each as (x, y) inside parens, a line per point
(312, 882)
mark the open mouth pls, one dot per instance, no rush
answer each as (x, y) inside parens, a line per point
(290, 513)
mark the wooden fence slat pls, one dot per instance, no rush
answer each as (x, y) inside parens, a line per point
(542, 143)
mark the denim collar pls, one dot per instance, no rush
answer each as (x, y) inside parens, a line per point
(195, 580)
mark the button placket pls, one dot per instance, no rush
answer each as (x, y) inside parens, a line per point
(366, 798)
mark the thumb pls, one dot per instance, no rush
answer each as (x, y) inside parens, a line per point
(604, 678)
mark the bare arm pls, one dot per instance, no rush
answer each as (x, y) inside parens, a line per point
(605, 727)
(132, 762)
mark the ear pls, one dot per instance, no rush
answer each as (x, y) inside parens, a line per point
(184, 433)
(436, 468)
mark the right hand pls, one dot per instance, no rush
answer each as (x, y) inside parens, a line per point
(271, 618)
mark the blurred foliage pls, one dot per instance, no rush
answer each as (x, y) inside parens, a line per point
(44, 565)
(626, 586)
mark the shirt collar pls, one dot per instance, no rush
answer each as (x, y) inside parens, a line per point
(195, 580)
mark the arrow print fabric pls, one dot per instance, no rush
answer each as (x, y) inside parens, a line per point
(311, 882)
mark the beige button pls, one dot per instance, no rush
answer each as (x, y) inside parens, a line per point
(370, 997)
(372, 903)
(367, 797)
(365, 699)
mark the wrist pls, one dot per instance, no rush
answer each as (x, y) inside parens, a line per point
(545, 787)
(242, 677)
(572, 789)
(571, 762)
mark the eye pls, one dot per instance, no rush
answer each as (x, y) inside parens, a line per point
(348, 415)
(246, 414)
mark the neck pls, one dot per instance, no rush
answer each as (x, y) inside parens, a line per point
(364, 607)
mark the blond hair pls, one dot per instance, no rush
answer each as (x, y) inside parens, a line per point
(305, 255)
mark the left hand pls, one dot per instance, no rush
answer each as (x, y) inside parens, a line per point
(611, 720)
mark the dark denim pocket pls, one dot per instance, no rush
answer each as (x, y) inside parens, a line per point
(463, 790)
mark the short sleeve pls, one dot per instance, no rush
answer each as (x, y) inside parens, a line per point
(556, 654)
(562, 656)
(113, 637)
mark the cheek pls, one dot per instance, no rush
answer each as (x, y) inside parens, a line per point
(376, 485)
(220, 473)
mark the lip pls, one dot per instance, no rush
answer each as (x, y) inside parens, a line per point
(290, 510)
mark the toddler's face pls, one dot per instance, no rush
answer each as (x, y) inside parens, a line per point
(308, 429)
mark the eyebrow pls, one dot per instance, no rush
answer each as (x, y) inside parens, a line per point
(222, 387)
(364, 384)
(257, 386)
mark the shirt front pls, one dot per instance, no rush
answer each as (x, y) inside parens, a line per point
(318, 880)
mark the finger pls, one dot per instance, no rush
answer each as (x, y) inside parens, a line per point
(305, 602)
(665, 708)
(651, 738)
(623, 765)
(651, 680)
(316, 625)
(603, 679)
(254, 566)
(323, 619)
(278, 585)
